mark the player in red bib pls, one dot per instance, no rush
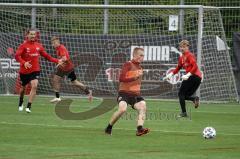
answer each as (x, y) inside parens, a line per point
(28, 54)
(191, 80)
(66, 69)
(129, 93)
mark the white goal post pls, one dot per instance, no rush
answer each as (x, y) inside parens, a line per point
(101, 37)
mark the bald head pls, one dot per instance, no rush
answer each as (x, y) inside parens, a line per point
(138, 54)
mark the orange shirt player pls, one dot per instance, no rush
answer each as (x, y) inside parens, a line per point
(129, 93)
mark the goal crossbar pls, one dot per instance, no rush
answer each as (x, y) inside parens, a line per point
(90, 6)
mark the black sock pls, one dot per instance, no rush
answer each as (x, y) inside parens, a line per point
(140, 127)
(20, 101)
(57, 94)
(29, 105)
(109, 126)
(182, 103)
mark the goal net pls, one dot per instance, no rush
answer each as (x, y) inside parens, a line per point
(101, 39)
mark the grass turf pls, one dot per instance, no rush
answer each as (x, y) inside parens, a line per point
(42, 134)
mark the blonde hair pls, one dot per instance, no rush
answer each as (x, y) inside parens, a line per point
(136, 49)
(55, 38)
(184, 42)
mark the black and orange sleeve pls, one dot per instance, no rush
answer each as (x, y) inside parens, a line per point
(124, 73)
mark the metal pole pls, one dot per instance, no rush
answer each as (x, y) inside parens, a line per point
(199, 43)
(54, 10)
(33, 18)
(90, 6)
(105, 27)
(181, 22)
(229, 59)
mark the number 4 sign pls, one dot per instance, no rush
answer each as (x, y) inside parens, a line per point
(173, 23)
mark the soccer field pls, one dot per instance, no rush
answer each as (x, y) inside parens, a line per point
(42, 134)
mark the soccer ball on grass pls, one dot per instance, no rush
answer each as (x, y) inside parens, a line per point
(209, 133)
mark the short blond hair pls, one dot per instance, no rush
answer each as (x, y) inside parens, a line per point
(136, 49)
(184, 42)
(55, 38)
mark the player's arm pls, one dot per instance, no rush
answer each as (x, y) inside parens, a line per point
(179, 66)
(64, 58)
(123, 75)
(48, 57)
(176, 70)
(18, 55)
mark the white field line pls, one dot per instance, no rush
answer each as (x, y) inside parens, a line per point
(34, 124)
(79, 126)
(158, 110)
(101, 98)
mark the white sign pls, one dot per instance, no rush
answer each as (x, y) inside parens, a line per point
(156, 53)
(173, 23)
(7, 63)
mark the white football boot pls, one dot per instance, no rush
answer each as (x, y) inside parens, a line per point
(20, 108)
(55, 100)
(28, 110)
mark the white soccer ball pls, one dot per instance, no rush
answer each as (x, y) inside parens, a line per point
(209, 133)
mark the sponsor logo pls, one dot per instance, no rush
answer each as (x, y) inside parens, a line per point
(176, 78)
(149, 75)
(9, 75)
(7, 63)
(34, 54)
(157, 53)
(28, 50)
(113, 74)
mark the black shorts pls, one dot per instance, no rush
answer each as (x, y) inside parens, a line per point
(70, 74)
(129, 99)
(189, 87)
(26, 78)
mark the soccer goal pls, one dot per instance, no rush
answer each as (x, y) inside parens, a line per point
(101, 37)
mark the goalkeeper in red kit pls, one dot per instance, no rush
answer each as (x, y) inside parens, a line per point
(191, 80)
(129, 93)
(28, 54)
(66, 69)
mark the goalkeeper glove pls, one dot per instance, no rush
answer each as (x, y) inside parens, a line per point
(185, 77)
(168, 76)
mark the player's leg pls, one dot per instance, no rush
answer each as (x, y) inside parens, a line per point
(80, 85)
(34, 84)
(122, 108)
(141, 108)
(185, 86)
(56, 88)
(21, 96)
(195, 83)
(25, 79)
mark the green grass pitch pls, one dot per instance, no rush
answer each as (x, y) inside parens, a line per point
(42, 135)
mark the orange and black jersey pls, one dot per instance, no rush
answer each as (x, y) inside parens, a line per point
(130, 82)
